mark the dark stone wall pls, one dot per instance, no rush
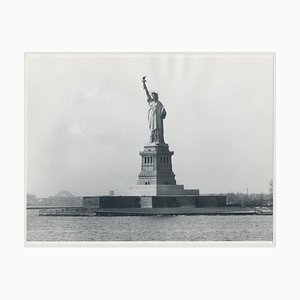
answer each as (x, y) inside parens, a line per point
(188, 201)
(111, 202)
(157, 201)
(211, 201)
(160, 201)
(120, 201)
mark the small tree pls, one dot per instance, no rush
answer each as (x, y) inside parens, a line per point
(271, 188)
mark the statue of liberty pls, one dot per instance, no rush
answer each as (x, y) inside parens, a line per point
(156, 114)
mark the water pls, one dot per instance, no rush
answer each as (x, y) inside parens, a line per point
(150, 228)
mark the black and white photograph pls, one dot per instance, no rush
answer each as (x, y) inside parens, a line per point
(149, 147)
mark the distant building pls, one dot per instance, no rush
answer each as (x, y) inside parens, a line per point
(62, 194)
(61, 199)
(31, 199)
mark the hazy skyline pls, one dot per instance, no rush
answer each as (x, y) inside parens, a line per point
(87, 120)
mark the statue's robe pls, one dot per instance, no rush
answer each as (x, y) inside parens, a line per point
(156, 114)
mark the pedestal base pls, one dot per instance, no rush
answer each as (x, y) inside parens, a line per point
(137, 202)
(161, 190)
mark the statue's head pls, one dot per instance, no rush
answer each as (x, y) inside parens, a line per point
(154, 96)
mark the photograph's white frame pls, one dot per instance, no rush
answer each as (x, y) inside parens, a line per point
(171, 273)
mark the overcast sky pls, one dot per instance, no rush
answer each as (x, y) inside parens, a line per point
(87, 120)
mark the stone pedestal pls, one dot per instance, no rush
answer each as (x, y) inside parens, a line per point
(156, 177)
(156, 166)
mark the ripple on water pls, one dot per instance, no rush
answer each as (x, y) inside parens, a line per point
(151, 228)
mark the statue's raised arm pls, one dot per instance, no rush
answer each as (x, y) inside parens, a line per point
(145, 87)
